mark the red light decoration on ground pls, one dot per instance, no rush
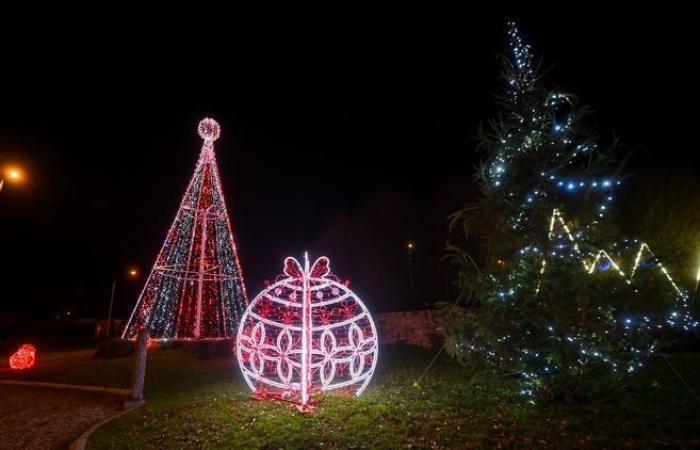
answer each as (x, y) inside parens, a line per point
(195, 289)
(306, 334)
(24, 358)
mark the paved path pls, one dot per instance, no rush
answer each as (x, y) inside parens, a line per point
(46, 418)
(36, 417)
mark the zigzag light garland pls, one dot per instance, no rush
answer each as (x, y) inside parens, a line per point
(590, 267)
(674, 317)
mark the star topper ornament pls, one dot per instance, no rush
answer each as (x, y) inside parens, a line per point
(306, 334)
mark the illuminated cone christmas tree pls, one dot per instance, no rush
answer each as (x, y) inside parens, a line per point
(195, 289)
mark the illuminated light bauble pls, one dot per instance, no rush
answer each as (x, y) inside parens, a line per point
(24, 358)
(209, 129)
(307, 334)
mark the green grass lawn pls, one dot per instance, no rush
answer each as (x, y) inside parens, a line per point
(205, 404)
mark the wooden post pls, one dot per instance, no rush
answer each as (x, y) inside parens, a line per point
(140, 353)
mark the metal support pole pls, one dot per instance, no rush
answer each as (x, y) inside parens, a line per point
(109, 316)
(202, 260)
(140, 353)
(306, 334)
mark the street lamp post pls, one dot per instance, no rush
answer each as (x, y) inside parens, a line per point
(109, 316)
(133, 273)
(410, 246)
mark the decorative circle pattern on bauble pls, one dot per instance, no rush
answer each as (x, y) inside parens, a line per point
(305, 334)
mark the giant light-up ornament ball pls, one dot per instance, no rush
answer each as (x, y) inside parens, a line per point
(307, 334)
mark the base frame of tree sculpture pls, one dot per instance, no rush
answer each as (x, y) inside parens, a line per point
(306, 334)
(196, 288)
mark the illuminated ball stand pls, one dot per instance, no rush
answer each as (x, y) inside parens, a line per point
(306, 334)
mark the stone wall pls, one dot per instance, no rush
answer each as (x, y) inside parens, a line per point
(419, 328)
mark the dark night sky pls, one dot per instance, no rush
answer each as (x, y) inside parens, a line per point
(315, 121)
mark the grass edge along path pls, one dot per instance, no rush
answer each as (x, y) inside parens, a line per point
(451, 408)
(194, 403)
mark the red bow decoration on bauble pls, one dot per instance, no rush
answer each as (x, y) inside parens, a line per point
(319, 269)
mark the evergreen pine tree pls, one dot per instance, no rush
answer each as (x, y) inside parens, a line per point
(545, 295)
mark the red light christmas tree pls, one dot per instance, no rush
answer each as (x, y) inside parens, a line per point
(195, 289)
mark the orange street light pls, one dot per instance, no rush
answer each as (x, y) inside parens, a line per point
(12, 174)
(133, 273)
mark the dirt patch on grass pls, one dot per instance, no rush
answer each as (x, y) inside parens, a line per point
(41, 418)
